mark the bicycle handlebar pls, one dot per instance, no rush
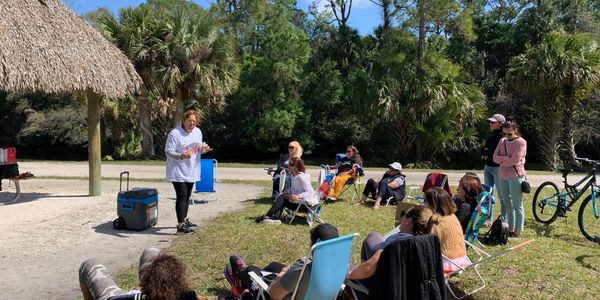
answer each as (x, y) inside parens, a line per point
(589, 161)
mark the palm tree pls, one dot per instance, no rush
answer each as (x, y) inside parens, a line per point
(132, 33)
(195, 60)
(432, 110)
(564, 67)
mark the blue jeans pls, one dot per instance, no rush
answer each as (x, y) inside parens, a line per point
(511, 198)
(490, 178)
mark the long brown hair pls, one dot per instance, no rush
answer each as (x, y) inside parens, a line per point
(165, 279)
(298, 163)
(440, 201)
(472, 187)
(356, 154)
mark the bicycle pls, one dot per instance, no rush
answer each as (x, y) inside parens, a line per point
(549, 203)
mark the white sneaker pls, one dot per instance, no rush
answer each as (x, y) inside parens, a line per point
(271, 221)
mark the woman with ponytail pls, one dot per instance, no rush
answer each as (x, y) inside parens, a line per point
(414, 221)
(446, 226)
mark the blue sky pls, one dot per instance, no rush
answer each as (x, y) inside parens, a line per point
(365, 15)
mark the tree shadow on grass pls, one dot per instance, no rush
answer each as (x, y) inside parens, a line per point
(581, 260)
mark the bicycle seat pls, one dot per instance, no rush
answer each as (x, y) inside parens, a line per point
(564, 171)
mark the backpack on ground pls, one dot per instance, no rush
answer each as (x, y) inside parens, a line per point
(497, 234)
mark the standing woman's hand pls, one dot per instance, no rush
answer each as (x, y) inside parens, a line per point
(206, 148)
(186, 154)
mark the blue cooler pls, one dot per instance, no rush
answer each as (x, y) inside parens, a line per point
(137, 208)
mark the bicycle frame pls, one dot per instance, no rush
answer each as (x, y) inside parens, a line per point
(571, 189)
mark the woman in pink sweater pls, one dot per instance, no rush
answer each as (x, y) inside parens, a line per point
(510, 155)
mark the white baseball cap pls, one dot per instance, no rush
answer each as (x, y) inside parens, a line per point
(396, 166)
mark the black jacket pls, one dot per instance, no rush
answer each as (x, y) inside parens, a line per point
(410, 269)
(490, 146)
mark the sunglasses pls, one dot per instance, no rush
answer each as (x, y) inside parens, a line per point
(404, 214)
(509, 134)
(290, 147)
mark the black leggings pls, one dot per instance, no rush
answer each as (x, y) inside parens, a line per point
(183, 190)
(273, 267)
(383, 190)
(281, 202)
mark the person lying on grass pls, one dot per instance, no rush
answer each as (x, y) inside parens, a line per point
(282, 284)
(414, 221)
(161, 276)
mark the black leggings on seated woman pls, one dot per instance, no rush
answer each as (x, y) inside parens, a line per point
(383, 190)
(280, 203)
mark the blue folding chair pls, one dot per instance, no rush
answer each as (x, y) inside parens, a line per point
(329, 267)
(480, 215)
(209, 178)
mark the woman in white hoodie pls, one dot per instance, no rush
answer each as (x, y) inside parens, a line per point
(301, 189)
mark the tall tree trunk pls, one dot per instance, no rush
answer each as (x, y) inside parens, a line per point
(387, 15)
(567, 148)
(144, 109)
(421, 45)
(549, 124)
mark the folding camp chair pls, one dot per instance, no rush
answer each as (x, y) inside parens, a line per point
(351, 190)
(311, 215)
(432, 179)
(209, 179)
(329, 265)
(480, 257)
(480, 215)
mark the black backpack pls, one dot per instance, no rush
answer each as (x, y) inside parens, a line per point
(497, 234)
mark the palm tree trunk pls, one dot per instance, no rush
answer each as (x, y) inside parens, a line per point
(567, 149)
(144, 108)
(550, 133)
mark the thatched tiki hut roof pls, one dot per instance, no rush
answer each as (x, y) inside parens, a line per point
(46, 47)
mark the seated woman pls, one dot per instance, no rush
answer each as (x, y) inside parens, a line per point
(301, 189)
(414, 221)
(346, 169)
(282, 284)
(390, 187)
(469, 187)
(447, 227)
(161, 276)
(294, 150)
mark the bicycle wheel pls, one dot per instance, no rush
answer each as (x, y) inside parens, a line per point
(545, 203)
(589, 219)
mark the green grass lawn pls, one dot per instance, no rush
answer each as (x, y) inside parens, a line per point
(560, 264)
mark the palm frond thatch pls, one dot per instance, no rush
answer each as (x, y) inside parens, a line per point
(46, 47)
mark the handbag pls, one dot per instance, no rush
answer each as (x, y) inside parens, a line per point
(525, 186)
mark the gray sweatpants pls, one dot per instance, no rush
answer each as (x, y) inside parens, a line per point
(96, 278)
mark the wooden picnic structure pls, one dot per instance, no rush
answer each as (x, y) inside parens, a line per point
(46, 47)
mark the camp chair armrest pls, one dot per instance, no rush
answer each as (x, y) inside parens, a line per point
(259, 281)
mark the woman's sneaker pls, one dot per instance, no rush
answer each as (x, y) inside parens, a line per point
(184, 229)
(189, 223)
(234, 281)
(271, 221)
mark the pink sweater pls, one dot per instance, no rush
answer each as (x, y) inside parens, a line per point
(510, 155)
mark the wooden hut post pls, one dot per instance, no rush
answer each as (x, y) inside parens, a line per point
(94, 149)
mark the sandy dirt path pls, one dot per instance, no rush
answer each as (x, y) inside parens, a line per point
(55, 226)
(80, 169)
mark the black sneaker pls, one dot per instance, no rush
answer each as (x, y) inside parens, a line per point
(189, 223)
(259, 219)
(184, 229)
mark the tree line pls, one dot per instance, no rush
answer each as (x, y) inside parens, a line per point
(417, 90)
